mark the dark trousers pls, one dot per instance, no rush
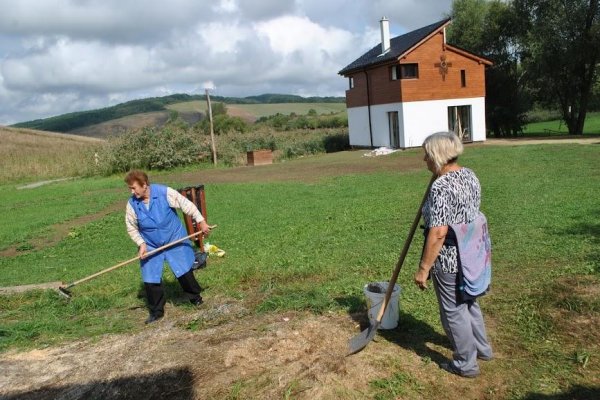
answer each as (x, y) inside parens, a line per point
(155, 293)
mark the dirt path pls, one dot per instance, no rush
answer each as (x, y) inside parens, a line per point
(248, 357)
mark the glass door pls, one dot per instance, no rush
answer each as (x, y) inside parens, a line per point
(459, 122)
(394, 129)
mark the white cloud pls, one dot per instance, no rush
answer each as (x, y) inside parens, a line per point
(60, 56)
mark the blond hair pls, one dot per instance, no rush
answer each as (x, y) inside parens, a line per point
(442, 148)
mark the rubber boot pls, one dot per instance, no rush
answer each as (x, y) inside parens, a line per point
(155, 296)
(191, 288)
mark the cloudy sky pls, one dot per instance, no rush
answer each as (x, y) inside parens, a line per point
(59, 56)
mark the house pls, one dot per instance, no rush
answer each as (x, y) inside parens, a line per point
(413, 85)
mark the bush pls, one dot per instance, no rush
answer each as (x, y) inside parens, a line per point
(336, 142)
(222, 123)
(151, 149)
(311, 120)
(178, 145)
(232, 147)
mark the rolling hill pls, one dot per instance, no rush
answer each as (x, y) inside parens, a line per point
(156, 111)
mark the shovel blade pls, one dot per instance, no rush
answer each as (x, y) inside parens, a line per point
(360, 341)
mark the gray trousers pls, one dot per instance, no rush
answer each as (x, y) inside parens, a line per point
(462, 322)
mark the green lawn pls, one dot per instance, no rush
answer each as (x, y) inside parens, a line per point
(312, 246)
(558, 127)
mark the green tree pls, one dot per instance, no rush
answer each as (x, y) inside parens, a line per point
(467, 28)
(563, 43)
(489, 28)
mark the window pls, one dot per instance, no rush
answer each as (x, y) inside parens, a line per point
(463, 78)
(409, 71)
(405, 71)
(351, 83)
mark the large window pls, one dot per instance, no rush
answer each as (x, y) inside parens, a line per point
(405, 71)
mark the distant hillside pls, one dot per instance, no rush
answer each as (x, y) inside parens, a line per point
(74, 122)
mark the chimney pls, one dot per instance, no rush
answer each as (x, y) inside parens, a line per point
(385, 35)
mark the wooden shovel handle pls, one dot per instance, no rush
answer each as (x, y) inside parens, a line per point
(409, 239)
(104, 271)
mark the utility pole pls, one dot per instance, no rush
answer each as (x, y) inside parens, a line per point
(212, 133)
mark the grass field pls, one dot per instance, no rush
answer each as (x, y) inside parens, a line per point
(27, 154)
(255, 111)
(310, 244)
(558, 127)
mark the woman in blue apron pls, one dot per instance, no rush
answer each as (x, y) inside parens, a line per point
(152, 221)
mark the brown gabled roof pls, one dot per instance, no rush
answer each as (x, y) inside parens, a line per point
(398, 47)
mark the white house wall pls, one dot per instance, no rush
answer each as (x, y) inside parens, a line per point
(358, 126)
(417, 120)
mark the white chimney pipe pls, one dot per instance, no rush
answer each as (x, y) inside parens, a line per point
(385, 34)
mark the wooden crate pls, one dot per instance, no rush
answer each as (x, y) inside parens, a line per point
(259, 157)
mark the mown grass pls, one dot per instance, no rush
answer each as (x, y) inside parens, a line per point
(312, 246)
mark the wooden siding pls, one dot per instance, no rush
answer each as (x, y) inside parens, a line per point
(357, 96)
(429, 86)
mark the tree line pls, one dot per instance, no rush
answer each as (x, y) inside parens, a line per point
(546, 53)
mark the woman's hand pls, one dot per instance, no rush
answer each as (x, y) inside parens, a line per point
(433, 245)
(142, 251)
(204, 228)
(421, 278)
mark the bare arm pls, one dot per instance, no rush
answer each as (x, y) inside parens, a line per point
(433, 245)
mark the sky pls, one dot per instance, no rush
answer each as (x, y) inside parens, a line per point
(61, 56)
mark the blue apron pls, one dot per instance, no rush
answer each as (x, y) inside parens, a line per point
(159, 225)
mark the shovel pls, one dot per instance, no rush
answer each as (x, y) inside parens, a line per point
(360, 341)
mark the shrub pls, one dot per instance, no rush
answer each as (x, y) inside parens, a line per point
(336, 142)
(150, 148)
(311, 120)
(178, 145)
(222, 123)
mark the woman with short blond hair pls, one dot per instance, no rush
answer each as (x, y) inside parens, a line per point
(453, 199)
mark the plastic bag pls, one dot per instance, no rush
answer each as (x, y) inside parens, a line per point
(213, 250)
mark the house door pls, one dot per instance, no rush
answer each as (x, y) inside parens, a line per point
(459, 122)
(394, 129)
